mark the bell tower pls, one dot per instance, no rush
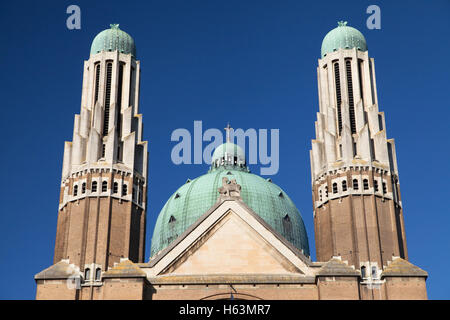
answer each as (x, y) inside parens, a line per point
(102, 206)
(356, 192)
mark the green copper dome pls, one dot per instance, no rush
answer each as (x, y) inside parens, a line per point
(113, 39)
(343, 37)
(195, 197)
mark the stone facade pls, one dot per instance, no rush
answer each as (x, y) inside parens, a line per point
(102, 207)
(230, 251)
(356, 193)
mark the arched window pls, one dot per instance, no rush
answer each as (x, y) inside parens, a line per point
(83, 188)
(375, 185)
(94, 186)
(335, 189)
(384, 187)
(363, 272)
(87, 274)
(115, 187)
(344, 185)
(355, 184)
(366, 184)
(320, 195)
(124, 189)
(104, 186)
(75, 190)
(98, 273)
(326, 191)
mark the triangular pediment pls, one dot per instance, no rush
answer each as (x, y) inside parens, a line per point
(230, 239)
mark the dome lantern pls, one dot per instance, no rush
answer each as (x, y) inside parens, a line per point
(229, 155)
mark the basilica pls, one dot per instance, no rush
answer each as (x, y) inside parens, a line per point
(230, 233)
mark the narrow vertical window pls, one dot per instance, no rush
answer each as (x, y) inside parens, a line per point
(287, 227)
(371, 82)
(384, 187)
(97, 81)
(132, 84)
(94, 186)
(104, 186)
(119, 112)
(326, 191)
(344, 185)
(75, 190)
(375, 185)
(103, 150)
(124, 189)
(107, 98)
(83, 188)
(366, 184)
(335, 188)
(115, 187)
(98, 273)
(140, 195)
(363, 272)
(320, 195)
(355, 184)
(380, 122)
(351, 105)
(360, 74)
(374, 272)
(372, 149)
(87, 274)
(338, 96)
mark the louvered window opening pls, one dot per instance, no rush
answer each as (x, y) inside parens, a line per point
(348, 68)
(338, 96)
(107, 97)
(119, 113)
(97, 81)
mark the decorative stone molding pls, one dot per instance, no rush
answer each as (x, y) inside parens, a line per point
(229, 189)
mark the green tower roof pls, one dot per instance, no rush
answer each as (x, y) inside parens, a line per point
(195, 197)
(343, 37)
(113, 39)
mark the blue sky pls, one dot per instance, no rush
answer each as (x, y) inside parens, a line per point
(252, 63)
